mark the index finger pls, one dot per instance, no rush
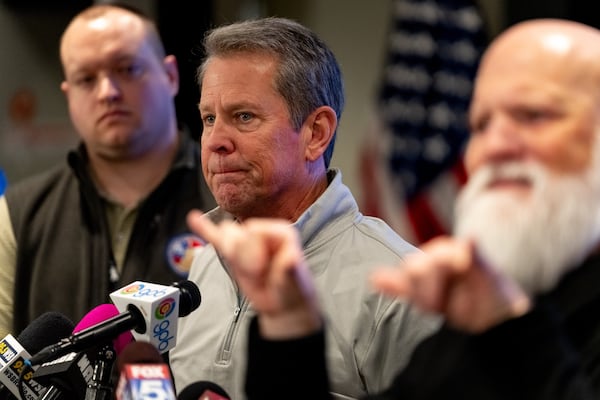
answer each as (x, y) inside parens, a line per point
(202, 226)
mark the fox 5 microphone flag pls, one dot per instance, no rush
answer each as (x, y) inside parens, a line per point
(411, 163)
(145, 382)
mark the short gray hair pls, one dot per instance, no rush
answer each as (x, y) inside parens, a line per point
(308, 74)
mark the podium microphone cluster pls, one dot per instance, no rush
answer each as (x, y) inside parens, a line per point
(147, 309)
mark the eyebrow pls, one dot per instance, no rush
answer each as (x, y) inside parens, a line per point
(235, 105)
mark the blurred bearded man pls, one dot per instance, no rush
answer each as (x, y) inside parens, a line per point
(538, 240)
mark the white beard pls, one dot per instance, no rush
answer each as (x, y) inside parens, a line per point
(534, 238)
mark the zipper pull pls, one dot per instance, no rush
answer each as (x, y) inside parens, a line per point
(236, 313)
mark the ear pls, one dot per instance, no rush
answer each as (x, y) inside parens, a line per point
(64, 87)
(170, 64)
(318, 130)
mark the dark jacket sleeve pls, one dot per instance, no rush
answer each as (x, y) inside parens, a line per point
(525, 358)
(286, 369)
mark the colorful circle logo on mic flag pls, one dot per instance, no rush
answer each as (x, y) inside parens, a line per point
(133, 288)
(165, 308)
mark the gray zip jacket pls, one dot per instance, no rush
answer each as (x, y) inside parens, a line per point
(369, 337)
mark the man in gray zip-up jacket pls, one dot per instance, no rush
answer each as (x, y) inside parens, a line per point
(271, 98)
(370, 336)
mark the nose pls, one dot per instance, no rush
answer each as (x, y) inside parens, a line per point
(108, 88)
(219, 137)
(500, 140)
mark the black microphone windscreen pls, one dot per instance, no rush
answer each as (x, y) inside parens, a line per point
(189, 297)
(44, 331)
(194, 390)
(138, 353)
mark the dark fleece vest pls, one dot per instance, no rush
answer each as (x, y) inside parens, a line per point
(64, 250)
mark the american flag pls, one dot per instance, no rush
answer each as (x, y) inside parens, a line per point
(411, 163)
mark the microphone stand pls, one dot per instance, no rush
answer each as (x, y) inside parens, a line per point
(100, 387)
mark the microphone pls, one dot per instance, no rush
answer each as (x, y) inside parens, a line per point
(160, 307)
(75, 373)
(42, 331)
(203, 390)
(143, 374)
(138, 353)
(66, 377)
(138, 315)
(100, 314)
(45, 330)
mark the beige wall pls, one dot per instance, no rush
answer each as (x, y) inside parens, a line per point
(29, 64)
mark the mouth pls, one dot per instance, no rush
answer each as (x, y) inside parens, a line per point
(227, 176)
(219, 166)
(513, 183)
(227, 173)
(113, 115)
